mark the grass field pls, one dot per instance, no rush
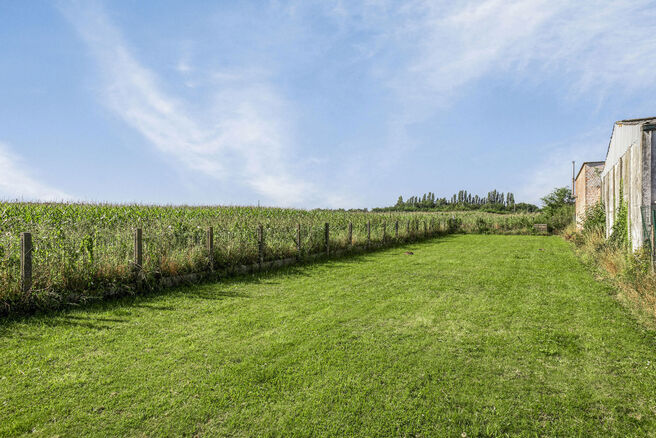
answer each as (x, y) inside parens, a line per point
(473, 335)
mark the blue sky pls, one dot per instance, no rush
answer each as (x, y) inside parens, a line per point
(313, 104)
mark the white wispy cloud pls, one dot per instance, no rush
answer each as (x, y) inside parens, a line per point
(242, 138)
(590, 46)
(17, 183)
(423, 53)
(428, 52)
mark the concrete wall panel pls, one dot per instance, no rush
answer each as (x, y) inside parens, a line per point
(635, 196)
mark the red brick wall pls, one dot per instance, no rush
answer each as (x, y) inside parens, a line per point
(588, 190)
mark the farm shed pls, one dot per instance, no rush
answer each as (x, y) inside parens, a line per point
(587, 188)
(630, 169)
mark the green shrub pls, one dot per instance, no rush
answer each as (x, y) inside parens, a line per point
(558, 211)
(454, 224)
(595, 218)
(481, 226)
(619, 236)
(559, 218)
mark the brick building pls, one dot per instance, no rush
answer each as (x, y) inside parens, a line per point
(587, 188)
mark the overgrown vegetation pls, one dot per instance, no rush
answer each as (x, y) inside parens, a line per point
(85, 251)
(595, 218)
(619, 236)
(612, 258)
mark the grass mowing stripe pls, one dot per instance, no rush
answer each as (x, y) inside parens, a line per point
(486, 335)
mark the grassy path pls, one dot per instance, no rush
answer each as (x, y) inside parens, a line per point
(483, 335)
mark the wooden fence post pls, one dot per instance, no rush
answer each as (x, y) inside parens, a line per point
(384, 232)
(260, 244)
(368, 233)
(298, 241)
(210, 247)
(138, 249)
(407, 229)
(425, 229)
(396, 230)
(26, 262)
(652, 239)
(327, 238)
(350, 234)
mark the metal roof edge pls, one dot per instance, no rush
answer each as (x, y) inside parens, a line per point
(610, 140)
(620, 122)
(643, 119)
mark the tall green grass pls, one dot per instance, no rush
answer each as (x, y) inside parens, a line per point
(84, 251)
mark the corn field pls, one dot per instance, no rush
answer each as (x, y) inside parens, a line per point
(84, 251)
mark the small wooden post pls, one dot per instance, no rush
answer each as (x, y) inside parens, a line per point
(26, 262)
(653, 239)
(396, 230)
(298, 241)
(384, 231)
(138, 249)
(368, 232)
(260, 244)
(425, 229)
(407, 229)
(327, 238)
(210, 248)
(350, 234)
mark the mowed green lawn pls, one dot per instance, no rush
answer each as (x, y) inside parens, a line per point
(475, 335)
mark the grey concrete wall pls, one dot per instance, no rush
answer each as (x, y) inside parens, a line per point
(629, 174)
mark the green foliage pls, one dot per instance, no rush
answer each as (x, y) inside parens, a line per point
(595, 218)
(620, 231)
(85, 251)
(558, 198)
(482, 226)
(525, 207)
(558, 219)
(494, 202)
(630, 272)
(558, 210)
(454, 224)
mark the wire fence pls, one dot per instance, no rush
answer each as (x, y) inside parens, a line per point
(42, 270)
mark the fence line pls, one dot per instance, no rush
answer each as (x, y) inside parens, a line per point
(137, 263)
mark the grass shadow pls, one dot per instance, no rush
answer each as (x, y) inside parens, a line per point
(68, 313)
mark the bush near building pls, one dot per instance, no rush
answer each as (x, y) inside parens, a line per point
(611, 258)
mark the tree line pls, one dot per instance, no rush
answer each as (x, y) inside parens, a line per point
(495, 201)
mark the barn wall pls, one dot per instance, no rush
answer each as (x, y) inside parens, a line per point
(634, 195)
(626, 168)
(624, 136)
